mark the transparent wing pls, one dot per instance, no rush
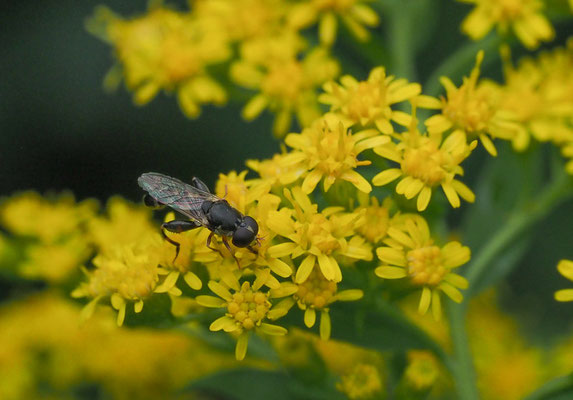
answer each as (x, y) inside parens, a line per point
(176, 194)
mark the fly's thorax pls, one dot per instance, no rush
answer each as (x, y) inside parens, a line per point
(222, 217)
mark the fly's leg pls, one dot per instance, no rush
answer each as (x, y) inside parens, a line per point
(252, 250)
(226, 243)
(152, 203)
(177, 226)
(209, 244)
(198, 183)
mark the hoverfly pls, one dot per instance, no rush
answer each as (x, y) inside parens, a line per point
(203, 208)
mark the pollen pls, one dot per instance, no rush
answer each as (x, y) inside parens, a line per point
(425, 266)
(248, 307)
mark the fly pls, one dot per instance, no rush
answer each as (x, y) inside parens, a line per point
(203, 208)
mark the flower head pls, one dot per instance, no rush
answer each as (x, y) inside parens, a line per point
(320, 236)
(329, 151)
(425, 163)
(353, 13)
(524, 17)
(362, 382)
(316, 293)
(287, 83)
(125, 273)
(411, 253)
(369, 102)
(473, 110)
(168, 50)
(246, 309)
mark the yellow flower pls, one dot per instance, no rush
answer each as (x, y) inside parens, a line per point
(523, 16)
(125, 273)
(55, 262)
(353, 13)
(168, 50)
(507, 366)
(318, 236)
(411, 253)
(330, 153)
(426, 162)
(422, 371)
(565, 268)
(125, 223)
(241, 20)
(362, 382)
(50, 220)
(316, 293)
(280, 170)
(375, 220)
(369, 102)
(247, 307)
(539, 94)
(473, 110)
(287, 83)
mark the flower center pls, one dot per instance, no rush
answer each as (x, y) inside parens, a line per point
(284, 81)
(425, 266)
(248, 307)
(367, 101)
(424, 163)
(470, 111)
(316, 291)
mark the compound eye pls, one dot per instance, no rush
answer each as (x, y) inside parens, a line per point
(246, 232)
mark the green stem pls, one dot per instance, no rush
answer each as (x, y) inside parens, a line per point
(463, 371)
(401, 46)
(518, 223)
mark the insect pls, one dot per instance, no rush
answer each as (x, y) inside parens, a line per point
(203, 208)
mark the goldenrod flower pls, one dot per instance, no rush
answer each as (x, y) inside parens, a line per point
(472, 109)
(125, 273)
(316, 293)
(287, 83)
(353, 13)
(280, 170)
(565, 268)
(369, 102)
(168, 50)
(330, 153)
(125, 223)
(318, 236)
(538, 92)
(411, 253)
(48, 219)
(375, 220)
(425, 163)
(422, 371)
(362, 382)
(524, 17)
(246, 307)
(58, 226)
(242, 20)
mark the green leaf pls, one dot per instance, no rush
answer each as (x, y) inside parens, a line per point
(248, 384)
(382, 327)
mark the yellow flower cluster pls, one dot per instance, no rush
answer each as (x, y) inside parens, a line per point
(176, 51)
(523, 17)
(46, 351)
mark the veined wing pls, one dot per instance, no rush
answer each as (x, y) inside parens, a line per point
(176, 194)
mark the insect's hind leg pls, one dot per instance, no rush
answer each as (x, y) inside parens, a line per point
(177, 226)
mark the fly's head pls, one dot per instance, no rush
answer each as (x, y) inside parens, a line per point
(246, 232)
